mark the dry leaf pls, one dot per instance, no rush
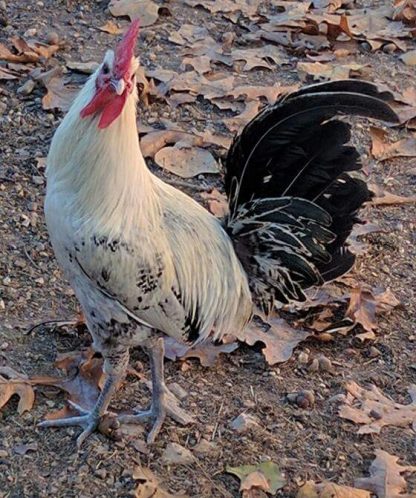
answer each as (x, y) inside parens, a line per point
(328, 71)
(83, 67)
(111, 28)
(373, 410)
(148, 485)
(59, 95)
(217, 202)
(146, 11)
(405, 10)
(6, 74)
(82, 383)
(11, 383)
(354, 243)
(7, 55)
(329, 490)
(362, 309)
(269, 92)
(385, 478)
(266, 476)
(186, 162)
(157, 140)
(382, 150)
(384, 198)
(207, 352)
(280, 339)
(258, 57)
(235, 123)
(201, 64)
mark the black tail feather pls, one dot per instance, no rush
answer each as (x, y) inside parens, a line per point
(288, 171)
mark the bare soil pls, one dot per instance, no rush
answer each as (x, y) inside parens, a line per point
(307, 443)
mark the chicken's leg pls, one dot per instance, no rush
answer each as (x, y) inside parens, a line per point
(163, 402)
(114, 367)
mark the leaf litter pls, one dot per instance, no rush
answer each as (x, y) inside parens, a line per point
(373, 410)
(265, 476)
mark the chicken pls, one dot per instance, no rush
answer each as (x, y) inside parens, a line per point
(145, 259)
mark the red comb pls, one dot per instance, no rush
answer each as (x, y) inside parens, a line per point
(125, 50)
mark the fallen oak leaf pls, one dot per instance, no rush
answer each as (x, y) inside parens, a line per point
(235, 123)
(319, 70)
(266, 476)
(186, 161)
(405, 11)
(362, 309)
(59, 95)
(384, 198)
(280, 339)
(14, 383)
(145, 10)
(382, 150)
(386, 479)
(7, 55)
(6, 74)
(207, 352)
(217, 202)
(149, 486)
(111, 28)
(82, 67)
(330, 490)
(155, 141)
(373, 410)
(22, 449)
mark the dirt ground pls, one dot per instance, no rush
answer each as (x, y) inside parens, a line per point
(306, 443)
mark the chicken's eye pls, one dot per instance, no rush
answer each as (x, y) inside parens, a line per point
(105, 69)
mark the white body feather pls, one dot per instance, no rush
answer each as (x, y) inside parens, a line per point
(109, 219)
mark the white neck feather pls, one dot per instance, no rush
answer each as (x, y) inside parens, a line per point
(102, 172)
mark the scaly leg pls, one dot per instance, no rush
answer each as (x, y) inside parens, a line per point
(114, 367)
(163, 402)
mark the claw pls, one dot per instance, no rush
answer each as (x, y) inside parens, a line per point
(89, 422)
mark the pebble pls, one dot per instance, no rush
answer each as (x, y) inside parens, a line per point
(3, 454)
(27, 88)
(175, 454)
(205, 447)
(303, 399)
(52, 38)
(244, 422)
(101, 473)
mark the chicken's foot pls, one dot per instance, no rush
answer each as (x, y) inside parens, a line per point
(163, 401)
(90, 419)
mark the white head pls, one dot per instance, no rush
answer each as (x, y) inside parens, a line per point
(114, 80)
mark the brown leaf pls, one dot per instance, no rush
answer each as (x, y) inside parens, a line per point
(201, 64)
(207, 352)
(382, 150)
(258, 57)
(335, 71)
(354, 243)
(82, 67)
(148, 485)
(82, 383)
(405, 10)
(235, 123)
(373, 410)
(385, 478)
(329, 490)
(269, 92)
(6, 74)
(362, 308)
(217, 202)
(280, 339)
(111, 28)
(186, 161)
(7, 55)
(11, 383)
(384, 198)
(153, 142)
(58, 96)
(145, 10)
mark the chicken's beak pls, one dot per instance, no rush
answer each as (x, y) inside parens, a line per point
(118, 86)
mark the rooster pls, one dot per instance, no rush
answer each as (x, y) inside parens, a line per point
(145, 259)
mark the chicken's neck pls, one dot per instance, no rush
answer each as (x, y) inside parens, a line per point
(101, 173)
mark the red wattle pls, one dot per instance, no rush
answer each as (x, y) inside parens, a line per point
(112, 110)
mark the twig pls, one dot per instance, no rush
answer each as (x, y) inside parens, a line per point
(217, 422)
(181, 183)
